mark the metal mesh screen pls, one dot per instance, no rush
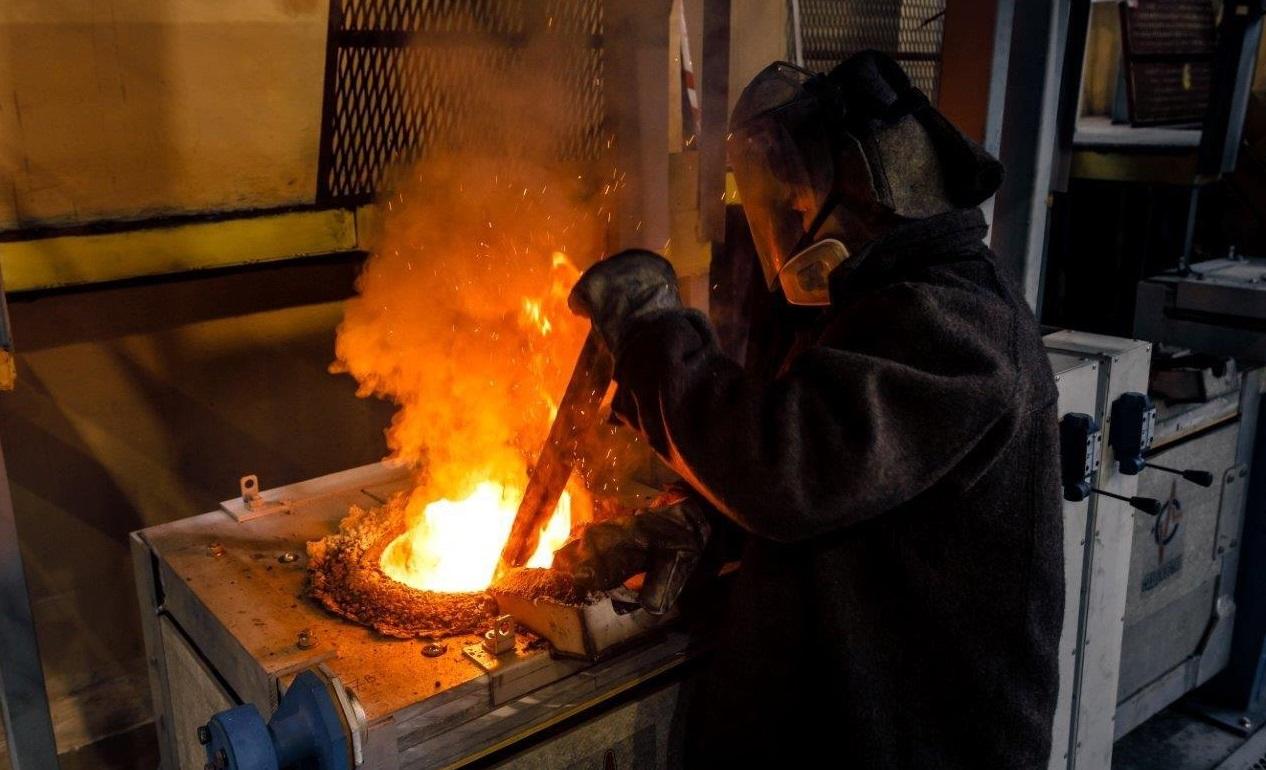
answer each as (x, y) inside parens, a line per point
(908, 30)
(1168, 50)
(405, 80)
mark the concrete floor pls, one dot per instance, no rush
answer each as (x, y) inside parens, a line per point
(1175, 740)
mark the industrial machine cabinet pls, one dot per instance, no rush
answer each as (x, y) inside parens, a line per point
(1199, 609)
(1094, 372)
(1216, 306)
(226, 622)
(1181, 608)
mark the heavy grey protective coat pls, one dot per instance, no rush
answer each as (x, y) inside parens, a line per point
(901, 590)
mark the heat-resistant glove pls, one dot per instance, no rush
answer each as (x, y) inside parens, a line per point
(622, 289)
(665, 542)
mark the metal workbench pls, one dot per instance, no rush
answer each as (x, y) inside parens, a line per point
(224, 609)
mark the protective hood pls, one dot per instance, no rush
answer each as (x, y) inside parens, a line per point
(803, 146)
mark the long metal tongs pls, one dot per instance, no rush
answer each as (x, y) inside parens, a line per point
(577, 413)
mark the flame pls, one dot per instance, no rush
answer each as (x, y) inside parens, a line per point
(461, 318)
(532, 309)
(456, 544)
(461, 314)
(453, 544)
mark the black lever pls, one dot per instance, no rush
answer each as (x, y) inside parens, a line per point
(1149, 505)
(1133, 425)
(1079, 444)
(1203, 478)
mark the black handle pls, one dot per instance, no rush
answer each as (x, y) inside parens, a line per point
(1079, 446)
(1203, 478)
(1149, 505)
(1133, 424)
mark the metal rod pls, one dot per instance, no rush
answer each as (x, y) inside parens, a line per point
(714, 105)
(27, 724)
(1113, 495)
(797, 34)
(1239, 35)
(1189, 232)
(577, 412)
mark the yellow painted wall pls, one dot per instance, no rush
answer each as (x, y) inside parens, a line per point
(1103, 58)
(141, 404)
(123, 109)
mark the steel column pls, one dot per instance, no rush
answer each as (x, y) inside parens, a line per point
(1029, 145)
(23, 699)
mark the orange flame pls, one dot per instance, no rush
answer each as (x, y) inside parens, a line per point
(461, 316)
(461, 319)
(456, 544)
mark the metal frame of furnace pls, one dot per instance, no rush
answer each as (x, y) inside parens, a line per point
(225, 623)
(1093, 371)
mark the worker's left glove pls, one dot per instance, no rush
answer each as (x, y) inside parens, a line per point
(622, 289)
(665, 542)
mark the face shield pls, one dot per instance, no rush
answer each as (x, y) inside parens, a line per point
(784, 167)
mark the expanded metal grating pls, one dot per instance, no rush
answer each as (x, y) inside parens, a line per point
(1167, 48)
(408, 79)
(908, 30)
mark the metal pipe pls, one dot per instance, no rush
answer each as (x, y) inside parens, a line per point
(24, 701)
(23, 698)
(797, 34)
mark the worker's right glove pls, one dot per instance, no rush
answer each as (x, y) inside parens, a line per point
(665, 542)
(622, 289)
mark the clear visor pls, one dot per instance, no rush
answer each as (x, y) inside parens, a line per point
(777, 195)
(781, 192)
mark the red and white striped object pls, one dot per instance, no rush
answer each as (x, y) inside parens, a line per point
(691, 115)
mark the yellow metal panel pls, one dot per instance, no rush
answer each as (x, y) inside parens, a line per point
(1134, 166)
(369, 225)
(77, 259)
(8, 371)
(120, 110)
(689, 254)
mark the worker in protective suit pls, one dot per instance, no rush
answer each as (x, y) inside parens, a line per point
(901, 587)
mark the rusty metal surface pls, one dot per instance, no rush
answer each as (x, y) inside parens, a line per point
(238, 597)
(245, 608)
(345, 575)
(592, 630)
(462, 741)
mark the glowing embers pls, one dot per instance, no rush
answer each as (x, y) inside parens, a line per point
(424, 575)
(454, 545)
(345, 576)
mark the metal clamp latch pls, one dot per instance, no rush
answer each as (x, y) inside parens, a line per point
(498, 641)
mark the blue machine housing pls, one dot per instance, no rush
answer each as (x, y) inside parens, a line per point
(306, 733)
